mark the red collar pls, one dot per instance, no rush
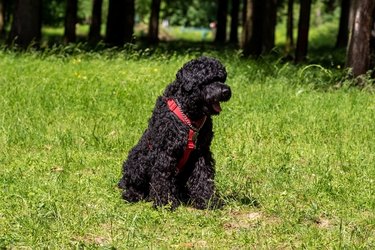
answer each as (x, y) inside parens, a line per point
(193, 131)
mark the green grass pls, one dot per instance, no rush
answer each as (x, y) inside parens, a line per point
(295, 155)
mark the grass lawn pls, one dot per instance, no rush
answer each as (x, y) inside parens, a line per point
(295, 155)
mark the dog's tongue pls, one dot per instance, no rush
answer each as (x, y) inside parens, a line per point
(216, 106)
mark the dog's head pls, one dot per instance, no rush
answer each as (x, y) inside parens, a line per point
(200, 86)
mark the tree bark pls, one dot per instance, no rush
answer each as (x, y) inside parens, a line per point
(153, 29)
(120, 22)
(233, 37)
(289, 44)
(2, 19)
(27, 23)
(343, 34)
(221, 28)
(70, 21)
(269, 26)
(96, 21)
(254, 45)
(359, 50)
(129, 20)
(303, 31)
(263, 21)
(247, 16)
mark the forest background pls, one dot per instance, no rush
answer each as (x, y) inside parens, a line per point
(248, 24)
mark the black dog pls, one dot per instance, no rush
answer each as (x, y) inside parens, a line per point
(172, 162)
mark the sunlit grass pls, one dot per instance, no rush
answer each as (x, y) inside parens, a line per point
(294, 154)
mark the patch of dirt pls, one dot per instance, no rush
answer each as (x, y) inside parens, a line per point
(247, 220)
(57, 169)
(96, 239)
(92, 240)
(243, 220)
(323, 222)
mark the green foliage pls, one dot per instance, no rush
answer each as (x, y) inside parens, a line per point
(294, 152)
(143, 10)
(190, 13)
(54, 12)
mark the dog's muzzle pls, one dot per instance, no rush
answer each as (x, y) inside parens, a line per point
(215, 93)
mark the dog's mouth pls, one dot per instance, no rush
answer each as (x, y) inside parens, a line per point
(216, 107)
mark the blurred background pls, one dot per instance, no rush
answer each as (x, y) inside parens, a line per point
(288, 28)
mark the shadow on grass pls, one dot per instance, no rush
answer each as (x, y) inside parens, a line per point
(327, 56)
(322, 54)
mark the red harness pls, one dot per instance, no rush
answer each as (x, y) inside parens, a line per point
(193, 131)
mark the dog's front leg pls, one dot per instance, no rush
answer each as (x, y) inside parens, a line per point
(201, 186)
(163, 189)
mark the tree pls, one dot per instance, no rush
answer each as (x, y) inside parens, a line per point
(343, 34)
(96, 21)
(233, 37)
(153, 28)
(2, 19)
(70, 21)
(303, 31)
(289, 44)
(360, 51)
(269, 25)
(27, 22)
(247, 14)
(260, 29)
(120, 22)
(221, 27)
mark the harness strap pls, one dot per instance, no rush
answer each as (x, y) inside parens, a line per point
(193, 132)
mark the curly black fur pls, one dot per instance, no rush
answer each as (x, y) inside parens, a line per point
(149, 173)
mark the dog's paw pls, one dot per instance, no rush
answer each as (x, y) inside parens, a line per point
(168, 204)
(131, 196)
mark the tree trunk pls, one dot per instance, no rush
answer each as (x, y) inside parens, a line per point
(359, 49)
(254, 45)
(153, 29)
(129, 20)
(96, 21)
(27, 22)
(269, 26)
(70, 21)
(120, 22)
(233, 38)
(289, 44)
(303, 31)
(343, 34)
(2, 19)
(221, 28)
(263, 22)
(247, 16)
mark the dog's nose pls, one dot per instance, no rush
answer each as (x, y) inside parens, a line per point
(226, 94)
